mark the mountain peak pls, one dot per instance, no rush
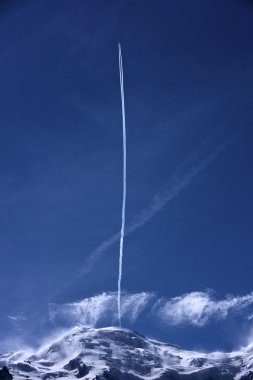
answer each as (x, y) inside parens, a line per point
(116, 353)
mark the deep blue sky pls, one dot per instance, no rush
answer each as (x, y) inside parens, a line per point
(188, 70)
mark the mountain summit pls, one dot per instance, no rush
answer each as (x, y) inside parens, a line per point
(120, 354)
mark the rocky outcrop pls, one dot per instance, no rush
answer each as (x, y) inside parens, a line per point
(5, 374)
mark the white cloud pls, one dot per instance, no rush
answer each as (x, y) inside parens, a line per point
(16, 318)
(101, 308)
(195, 309)
(198, 308)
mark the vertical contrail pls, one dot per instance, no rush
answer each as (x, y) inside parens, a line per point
(122, 231)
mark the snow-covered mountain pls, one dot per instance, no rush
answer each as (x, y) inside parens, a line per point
(115, 353)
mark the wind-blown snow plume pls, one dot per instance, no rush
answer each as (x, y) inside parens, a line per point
(195, 309)
(100, 309)
(199, 308)
(122, 232)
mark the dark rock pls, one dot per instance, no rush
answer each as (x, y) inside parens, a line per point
(72, 364)
(79, 365)
(199, 362)
(248, 376)
(53, 375)
(25, 367)
(118, 375)
(205, 374)
(82, 371)
(5, 374)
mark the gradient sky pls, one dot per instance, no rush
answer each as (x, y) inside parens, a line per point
(188, 77)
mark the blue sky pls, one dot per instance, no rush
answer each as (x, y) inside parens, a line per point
(188, 93)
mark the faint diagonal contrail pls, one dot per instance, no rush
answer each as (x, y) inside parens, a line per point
(196, 162)
(122, 231)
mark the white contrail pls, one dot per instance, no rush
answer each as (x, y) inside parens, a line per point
(122, 231)
(195, 163)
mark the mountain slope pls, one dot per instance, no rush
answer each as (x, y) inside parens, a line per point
(114, 353)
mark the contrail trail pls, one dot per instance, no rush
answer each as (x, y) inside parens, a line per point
(196, 162)
(181, 178)
(122, 232)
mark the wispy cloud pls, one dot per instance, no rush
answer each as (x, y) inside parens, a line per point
(199, 308)
(190, 309)
(16, 320)
(101, 308)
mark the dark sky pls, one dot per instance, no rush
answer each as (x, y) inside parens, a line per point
(188, 77)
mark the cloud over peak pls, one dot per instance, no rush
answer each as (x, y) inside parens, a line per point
(101, 308)
(199, 308)
(194, 309)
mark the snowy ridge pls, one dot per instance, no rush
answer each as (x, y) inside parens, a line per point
(116, 353)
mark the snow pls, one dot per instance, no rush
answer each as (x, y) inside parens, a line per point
(89, 352)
